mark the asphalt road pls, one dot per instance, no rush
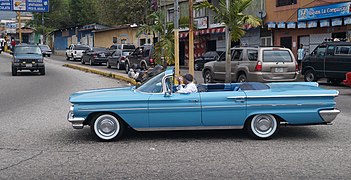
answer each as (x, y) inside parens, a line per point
(37, 142)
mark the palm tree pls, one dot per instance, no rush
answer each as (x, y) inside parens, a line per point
(234, 19)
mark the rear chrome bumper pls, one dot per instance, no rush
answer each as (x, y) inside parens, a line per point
(77, 123)
(329, 115)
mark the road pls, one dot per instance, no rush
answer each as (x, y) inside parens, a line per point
(38, 143)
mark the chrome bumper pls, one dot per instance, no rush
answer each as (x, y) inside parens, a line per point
(77, 123)
(329, 115)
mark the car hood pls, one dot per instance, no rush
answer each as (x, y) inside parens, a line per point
(27, 56)
(103, 95)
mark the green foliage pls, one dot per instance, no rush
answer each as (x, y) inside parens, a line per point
(235, 19)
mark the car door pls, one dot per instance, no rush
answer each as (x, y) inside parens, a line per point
(317, 60)
(174, 110)
(219, 68)
(339, 63)
(230, 106)
(237, 61)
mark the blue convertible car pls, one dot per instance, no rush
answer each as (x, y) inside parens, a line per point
(154, 106)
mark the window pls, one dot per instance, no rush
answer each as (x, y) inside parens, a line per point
(330, 50)
(285, 2)
(319, 51)
(170, 17)
(343, 50)
(142, 42)
(252, 55)
(276, 56)
(266, 41)
(154, 85)
(114, 39)
(200, 12)
(237, 55)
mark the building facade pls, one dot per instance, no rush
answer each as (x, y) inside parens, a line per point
(308, 22)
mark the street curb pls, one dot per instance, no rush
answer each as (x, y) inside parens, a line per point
(102, 73)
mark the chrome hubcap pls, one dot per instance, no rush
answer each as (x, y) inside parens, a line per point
(264, 125)
(106, 126)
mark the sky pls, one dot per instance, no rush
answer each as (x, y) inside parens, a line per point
(7, 15)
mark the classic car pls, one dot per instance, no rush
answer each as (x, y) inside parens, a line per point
(155, 106)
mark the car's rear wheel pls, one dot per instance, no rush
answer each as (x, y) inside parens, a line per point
(107, 127)
(262, 126)
(242, 78)
(82, 61)
(310, 76)
(14, 71)
(208, 77)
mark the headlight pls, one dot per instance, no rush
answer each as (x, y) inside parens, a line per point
(40, 60)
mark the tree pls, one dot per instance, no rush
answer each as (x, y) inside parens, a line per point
(234, 19)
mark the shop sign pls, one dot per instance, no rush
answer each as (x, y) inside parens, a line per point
(324, 23)
(271, 24)
(336, 22)
(291, 25)
(281, 25)
(322, 12)
(312, 24)
(201, 22)
(25, 5)
(301, 25)
(347, 20)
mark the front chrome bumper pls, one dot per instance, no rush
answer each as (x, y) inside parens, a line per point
(329, 115)
(77, 123)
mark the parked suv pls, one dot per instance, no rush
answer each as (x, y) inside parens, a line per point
(331, 60)
(261, 64)
(75, 51)
(27, 57)
(141, 56)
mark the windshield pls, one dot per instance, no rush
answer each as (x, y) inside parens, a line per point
(154, 85)
(99, 49)
(81, 47)
(276, 56)
(27, 50)
(125, 53)
(44, 47)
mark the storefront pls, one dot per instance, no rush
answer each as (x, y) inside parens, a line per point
(314, 25)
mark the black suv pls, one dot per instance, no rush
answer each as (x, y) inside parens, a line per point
(207, 57)
(331, 60)
(141, 56)
(27, 57)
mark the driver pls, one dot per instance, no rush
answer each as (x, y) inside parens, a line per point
(189, 85)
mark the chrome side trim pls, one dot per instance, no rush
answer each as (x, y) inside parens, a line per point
(265, 105)
(188, 128)
(209, 107)
(283, 96)
(329, 115)
(112, 109)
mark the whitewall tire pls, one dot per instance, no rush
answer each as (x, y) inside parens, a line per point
(263, 126)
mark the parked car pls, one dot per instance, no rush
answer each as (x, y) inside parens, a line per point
(27, 57)
(154, 106)
(331, 60)
(114, 47)
(95, 55)
(45, 49)
(75, 51)
(141, 56)
(260, 64)
(117, 59)
(207, 57)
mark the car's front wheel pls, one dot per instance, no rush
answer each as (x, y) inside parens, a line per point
(208, 77)
(310, 76)
(262, 126)
(42, 71)
(127, 67)
(107, 127)
(242, 78)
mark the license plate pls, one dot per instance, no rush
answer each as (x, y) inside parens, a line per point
(28, 65)
(102, 55)
(278, 70)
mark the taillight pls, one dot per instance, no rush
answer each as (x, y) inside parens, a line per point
(151, 60)
(297, 67)
(94, 56)
(258, 66)
(123, 58)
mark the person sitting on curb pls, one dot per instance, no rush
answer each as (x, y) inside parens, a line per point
(189, 85)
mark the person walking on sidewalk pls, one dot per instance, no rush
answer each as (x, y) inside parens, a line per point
(300, 55)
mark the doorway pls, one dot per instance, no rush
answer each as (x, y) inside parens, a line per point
(211, 45)
(286, 42)
(181, 53)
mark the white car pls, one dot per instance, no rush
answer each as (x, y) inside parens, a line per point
(75, 51)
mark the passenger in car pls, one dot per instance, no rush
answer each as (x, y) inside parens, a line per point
(189, 85)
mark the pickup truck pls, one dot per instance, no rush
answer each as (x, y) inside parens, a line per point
(75, 51)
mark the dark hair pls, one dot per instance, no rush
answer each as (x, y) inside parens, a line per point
(188, 77)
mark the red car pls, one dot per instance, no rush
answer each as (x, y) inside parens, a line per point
(347, 82)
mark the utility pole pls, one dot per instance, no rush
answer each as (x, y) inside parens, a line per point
(191, 39)
(176, 37)
(228, 68)
(19, 26)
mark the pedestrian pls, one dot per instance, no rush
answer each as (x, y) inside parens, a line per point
(13, 44)
(300, 55)
(189, 85)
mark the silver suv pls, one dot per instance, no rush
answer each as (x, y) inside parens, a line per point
(261, 64)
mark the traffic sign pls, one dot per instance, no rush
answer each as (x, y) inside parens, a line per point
(25, 5)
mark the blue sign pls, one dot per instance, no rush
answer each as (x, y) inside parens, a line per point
(324, 23)
(322, 12)
(25, 5)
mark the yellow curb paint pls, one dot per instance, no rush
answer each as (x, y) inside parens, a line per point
(107, 74)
